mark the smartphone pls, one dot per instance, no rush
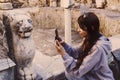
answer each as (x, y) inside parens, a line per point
(57, 36)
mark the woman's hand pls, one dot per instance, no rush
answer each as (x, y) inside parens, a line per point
(60, 48)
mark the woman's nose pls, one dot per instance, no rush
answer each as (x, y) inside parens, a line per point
(78, 30)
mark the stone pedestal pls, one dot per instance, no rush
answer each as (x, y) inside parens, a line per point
(7, 74)
(6, 6)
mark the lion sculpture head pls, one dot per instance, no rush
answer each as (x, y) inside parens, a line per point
(22, 25)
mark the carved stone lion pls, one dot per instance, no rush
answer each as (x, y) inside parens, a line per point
(21, 27)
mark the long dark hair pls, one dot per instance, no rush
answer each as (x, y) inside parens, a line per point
(89, 22)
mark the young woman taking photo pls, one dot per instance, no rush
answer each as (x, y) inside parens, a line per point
(89, 61)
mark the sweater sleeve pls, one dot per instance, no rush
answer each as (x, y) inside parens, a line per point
(73, 52)
(88, 63)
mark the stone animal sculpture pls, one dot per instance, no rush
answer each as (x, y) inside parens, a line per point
(20, 26)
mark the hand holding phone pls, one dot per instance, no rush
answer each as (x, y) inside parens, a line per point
(60, 48)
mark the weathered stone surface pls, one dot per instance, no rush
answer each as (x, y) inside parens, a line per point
(30, 3)
(100, 3)
(6, 64)
(44, 18)
(7, 74)
(109, 21)
(4, 1)
(34, 2)
(4, 6)
(47, 66)
(20, 25)
(113, 4)
(47, 17)
(110, 4)
(3, 41)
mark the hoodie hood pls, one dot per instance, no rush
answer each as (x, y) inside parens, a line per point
(107, 46)
(105, 43)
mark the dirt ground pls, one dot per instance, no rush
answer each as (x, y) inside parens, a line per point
(44, 40)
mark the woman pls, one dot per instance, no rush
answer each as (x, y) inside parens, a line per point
(89, 61)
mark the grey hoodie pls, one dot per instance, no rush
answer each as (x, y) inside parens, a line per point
(94, 66)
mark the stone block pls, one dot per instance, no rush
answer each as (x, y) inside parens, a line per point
(7, 74)
(109, 21)
(4, 1)
(113, 3)
(5, 6)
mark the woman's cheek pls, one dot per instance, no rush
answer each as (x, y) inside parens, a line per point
(81, 34)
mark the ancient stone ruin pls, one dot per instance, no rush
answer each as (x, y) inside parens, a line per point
(17, 18)
(5, 4)
(110, 4)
